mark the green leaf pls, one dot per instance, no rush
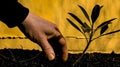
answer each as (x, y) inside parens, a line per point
(112, 32)
(76, 18)
(103, 29)
(74, 25)
(105, 23)
(85, 13)
(86, 28)
(95, 13)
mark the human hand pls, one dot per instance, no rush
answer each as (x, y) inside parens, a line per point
(41, 32)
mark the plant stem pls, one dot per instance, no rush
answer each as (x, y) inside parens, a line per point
(88, 43)
(79, 59)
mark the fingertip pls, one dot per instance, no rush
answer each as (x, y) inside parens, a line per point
(49, 54)
(51, 57)
(65, 53)
(47, 48)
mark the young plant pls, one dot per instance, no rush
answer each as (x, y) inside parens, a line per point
(90, 28)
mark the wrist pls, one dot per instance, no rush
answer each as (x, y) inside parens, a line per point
(26, 19)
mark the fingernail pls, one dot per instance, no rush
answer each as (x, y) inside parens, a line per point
(51, 57)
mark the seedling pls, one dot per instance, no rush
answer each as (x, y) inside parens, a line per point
(88, 30)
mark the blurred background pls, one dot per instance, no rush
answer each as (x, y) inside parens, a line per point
(56, 11)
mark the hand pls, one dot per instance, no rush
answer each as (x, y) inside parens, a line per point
(41, 32)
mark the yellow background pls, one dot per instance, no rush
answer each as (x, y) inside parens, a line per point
(56, 11)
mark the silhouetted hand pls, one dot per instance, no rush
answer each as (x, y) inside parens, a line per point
(41, 31)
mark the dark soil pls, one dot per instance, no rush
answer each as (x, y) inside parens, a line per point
(34, 58)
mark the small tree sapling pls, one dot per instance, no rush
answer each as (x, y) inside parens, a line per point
(90, 28)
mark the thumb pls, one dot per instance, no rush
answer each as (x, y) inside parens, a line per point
(47, 48)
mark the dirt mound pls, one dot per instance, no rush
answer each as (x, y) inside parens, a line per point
(35, 58)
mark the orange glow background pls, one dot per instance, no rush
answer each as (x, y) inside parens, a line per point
(56, 11)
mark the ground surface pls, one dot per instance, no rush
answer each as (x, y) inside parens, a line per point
(34, 58)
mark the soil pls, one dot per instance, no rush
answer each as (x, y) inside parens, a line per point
(35, 58)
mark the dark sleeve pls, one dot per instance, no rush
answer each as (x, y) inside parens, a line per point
(12, 13)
